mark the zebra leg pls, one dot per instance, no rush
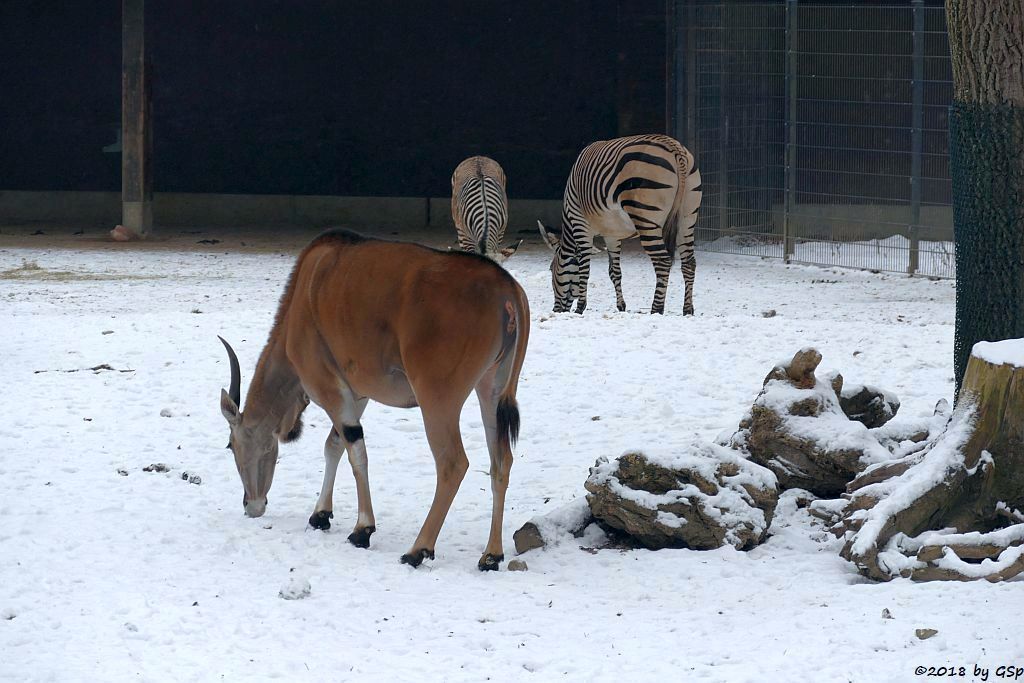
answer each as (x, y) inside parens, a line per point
(689, 265)
(662, 262)
(615, 272)
(584, 277)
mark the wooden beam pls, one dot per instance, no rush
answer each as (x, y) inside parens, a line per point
(136, 108)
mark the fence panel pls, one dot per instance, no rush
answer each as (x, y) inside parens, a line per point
(821, 132)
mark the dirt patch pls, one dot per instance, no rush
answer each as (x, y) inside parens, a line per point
(30, 270)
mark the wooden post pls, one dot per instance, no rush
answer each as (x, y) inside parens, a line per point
(136, 154)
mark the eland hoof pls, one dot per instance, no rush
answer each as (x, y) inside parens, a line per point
(416, 558)
(360, 538)
(321, 520)
(490, 563)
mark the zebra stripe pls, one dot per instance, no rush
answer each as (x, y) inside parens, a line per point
(479, 206)
(644, 186)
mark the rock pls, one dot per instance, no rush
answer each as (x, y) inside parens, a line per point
(801, 369)
(886, 614)
(517, 566)
(156, 467)
(191, 477)
(798, 430)
(770, 313)
(565, 522)
(123, 234)
(705, 497)
(870, 406)
(925, 633)
(166, 412)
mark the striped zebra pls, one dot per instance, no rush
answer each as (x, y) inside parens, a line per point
(645, 186)
(480, 207)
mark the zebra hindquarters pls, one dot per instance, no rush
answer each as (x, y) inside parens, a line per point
(480, 207)
(686, 222)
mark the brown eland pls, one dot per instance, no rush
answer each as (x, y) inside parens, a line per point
(406, 326)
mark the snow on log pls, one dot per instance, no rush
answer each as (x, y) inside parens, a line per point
(945, 517)
(797, 428)
(704, 497)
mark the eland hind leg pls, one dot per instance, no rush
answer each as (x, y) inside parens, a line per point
(500, 452)
(450, 461)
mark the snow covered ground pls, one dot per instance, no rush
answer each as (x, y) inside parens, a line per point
(108, 572)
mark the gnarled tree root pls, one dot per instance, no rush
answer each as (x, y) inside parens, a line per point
(945, 517)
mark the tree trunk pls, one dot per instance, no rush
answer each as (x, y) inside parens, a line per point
(987, 166)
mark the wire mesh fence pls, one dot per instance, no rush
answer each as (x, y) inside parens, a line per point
(820, 130)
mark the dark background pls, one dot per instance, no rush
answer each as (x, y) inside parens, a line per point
(328, 97)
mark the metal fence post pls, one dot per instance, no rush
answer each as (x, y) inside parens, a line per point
(791, 98)
(671, 72)
(691, 78)
(917, 137)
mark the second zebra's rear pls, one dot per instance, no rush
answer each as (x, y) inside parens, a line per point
(480, 207)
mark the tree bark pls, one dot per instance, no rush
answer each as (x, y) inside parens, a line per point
(986, 39)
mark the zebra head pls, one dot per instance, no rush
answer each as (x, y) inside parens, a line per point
(565, 268)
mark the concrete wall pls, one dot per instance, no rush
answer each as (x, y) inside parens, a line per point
(233, 210)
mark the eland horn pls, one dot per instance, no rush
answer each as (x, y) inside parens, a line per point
(236, 375)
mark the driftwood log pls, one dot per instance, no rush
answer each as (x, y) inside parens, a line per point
(955, 512)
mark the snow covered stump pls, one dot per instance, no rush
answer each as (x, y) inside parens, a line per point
(706, 497)
(956, 513)
(798, 429)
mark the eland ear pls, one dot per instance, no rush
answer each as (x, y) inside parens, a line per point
(551, 237)
(229, 408)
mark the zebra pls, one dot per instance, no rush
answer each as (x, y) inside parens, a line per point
(645, 186)
(480, 207)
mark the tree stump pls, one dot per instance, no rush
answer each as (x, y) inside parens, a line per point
(954, 513)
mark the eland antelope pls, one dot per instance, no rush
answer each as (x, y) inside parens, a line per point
(406, 326)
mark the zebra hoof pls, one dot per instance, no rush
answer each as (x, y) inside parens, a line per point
(621, 307)
(688, 310)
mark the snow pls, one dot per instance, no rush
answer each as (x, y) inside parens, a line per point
(1006, 352)
(146, 576)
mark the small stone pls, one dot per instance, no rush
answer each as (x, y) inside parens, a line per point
(122, 471)
(156, 467)
(517, 566)
(191, 478)
(166, 412)
(886, 614)
(770, 313)
(925, 633)
(108, 332)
